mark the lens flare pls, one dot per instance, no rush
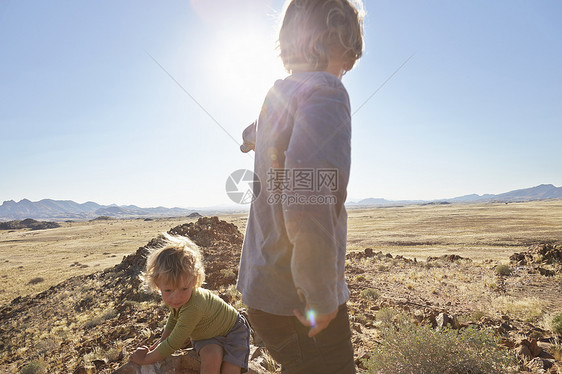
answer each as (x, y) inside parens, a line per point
(311, 316)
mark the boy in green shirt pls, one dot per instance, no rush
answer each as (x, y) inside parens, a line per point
(219, 334)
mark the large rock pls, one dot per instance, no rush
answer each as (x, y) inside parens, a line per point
(185, 362)
(539, 365)
(182, 363)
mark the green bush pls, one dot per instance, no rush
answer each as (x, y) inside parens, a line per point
(383, 268)
(93, 322)
(503, 270)
(408, 348)
(34, 367)
(369, 293)
(387, 315)
(557, 324)
(360, 278)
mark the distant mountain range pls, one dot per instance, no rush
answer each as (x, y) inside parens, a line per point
(542, 192)
(59, 210)
(67, 210)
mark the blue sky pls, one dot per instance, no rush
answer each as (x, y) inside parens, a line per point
(86, 114)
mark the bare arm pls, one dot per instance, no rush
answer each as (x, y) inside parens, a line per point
(165, 334)
(145, 355)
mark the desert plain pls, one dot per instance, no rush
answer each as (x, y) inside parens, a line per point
(399, 256)
(481, 232)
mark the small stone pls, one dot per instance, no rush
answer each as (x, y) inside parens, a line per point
(534, 348)
(443, 320)
(508, 343)
(99, 363)
(538, 363)
(523, 342)
(130, 368)
(524, 353)
(261, 361)
(545, 354)
(504, 327)
(257, 352)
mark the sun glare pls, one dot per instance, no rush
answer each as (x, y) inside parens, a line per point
(246, 65)
(243, 61)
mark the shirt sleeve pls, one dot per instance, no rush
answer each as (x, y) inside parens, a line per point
(171, 323)
(249, 138)
(320, 148)
(181, 330)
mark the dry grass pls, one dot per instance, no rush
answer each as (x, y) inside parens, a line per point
(76, 248)
(481, 232)
(529, 309)
(472, 290)
(478, 231)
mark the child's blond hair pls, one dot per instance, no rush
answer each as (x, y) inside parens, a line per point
(177, 258)
(313, 29)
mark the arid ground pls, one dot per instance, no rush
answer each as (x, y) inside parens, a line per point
(70, 298)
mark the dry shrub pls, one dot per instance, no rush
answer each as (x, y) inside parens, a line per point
(557, 324)
(369, 293)
(409, 348)
(228, 274)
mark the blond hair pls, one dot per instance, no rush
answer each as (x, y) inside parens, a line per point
(313, 29)
(177, 258)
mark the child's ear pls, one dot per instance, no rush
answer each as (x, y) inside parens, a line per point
(348, 65)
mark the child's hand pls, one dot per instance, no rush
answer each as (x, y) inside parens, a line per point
(317, 323)
(139, 354)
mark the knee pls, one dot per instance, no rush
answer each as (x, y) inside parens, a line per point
(211, 358)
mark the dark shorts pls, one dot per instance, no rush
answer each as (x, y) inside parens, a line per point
(287, 341)
(236, 344)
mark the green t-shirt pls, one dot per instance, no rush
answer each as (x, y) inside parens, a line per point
(204, 316)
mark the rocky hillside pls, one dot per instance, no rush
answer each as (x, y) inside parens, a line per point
(105, 315)
(540, 192)
(90, 324)
(67, 209)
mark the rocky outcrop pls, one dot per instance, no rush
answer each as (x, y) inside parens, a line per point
(539, 254)
(544, 259)
(28, 223)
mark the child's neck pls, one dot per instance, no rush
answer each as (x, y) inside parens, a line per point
(335, 67)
